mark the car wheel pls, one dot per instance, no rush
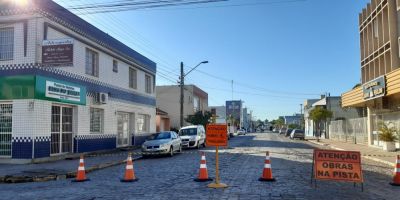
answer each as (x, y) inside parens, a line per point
(171, 151)
(204, 144)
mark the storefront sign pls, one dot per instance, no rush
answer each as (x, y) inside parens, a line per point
(374, 88)
(60, 91)
(216, 135)
(337, 165)
(58, 52)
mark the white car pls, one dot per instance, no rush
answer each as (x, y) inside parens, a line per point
(241, 132)
(193, 136)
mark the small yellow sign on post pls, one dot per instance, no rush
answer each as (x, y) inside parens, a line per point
(216, 135)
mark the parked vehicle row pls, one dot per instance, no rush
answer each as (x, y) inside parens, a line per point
(169, 142)
(291, 133)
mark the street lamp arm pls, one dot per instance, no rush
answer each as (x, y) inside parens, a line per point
(204, 62)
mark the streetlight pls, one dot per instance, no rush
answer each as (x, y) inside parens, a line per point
(182, 83)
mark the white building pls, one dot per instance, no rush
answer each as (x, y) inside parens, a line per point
(68, 87)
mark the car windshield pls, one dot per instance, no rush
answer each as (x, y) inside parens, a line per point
(188, 131)
(160, 136)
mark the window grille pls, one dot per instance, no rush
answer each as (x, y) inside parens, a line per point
(5, 129)
(96, 120)
(6, 43)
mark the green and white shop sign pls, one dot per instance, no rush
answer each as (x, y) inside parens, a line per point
(60, 91)
(39, 87)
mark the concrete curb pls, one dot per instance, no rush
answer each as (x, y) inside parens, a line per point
(52, 177)
(366, 157)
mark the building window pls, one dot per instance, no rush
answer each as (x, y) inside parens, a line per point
(148, 84)
(142, 123)
(376, 28)
(5, 129)
(115, 66)
(6, 43)
(92, 63)
(132, 78)
(96, 120)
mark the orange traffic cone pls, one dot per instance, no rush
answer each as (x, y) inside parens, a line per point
(81, 174)
(267, 172)
(396, 178)
(129, 173)
(203, 174)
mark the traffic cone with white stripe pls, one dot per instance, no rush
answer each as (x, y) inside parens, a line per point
(267, 172)
(203, 174)
(129, 173)
(396, 178)
(81, 174)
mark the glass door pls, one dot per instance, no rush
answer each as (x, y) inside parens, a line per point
(61, 129)
(123, 129)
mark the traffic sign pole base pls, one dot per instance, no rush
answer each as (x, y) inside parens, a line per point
(217, 185)
(394, 184)
(267, 180)
(203, 180)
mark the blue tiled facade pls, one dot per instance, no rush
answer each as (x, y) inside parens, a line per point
(22, 148)
(42, 147)
(87, 143)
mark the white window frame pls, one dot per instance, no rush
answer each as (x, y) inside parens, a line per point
(115, 66)
(133, 82)
(99, 120)
(92, 67)
(142, 127)
(6, 43)
(148, 83)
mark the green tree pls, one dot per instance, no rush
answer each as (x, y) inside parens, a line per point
(199, 118)
(319, 115)
(294, 126)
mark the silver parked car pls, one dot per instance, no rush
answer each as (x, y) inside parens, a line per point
(297, 133)
(166, 142)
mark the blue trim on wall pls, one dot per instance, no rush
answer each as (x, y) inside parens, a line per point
(22, 150)
(42, 149)
(90, 87)
(87, 145)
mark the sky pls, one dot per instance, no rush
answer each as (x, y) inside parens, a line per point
(278, 53)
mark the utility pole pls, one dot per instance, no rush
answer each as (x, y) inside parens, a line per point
(182, 84)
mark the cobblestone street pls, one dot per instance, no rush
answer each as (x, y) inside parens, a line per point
(240, 167)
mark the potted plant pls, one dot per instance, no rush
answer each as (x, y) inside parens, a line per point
(388, 135)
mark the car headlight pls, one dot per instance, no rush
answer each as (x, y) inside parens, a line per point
(164, 145)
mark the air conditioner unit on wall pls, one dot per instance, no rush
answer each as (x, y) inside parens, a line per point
(102, 98)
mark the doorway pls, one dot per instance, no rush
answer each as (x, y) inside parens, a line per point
(61, 129)
(123, 129)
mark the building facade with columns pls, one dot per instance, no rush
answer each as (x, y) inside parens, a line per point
(379, 88)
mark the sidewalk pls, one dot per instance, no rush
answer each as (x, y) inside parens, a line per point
(61, 169)
(372, 153)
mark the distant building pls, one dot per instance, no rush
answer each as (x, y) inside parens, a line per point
(331, 103)
(295, 119)
(220, 113)
(168, 98)
(162, 121)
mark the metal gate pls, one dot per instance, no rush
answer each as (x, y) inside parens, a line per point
(5, 129)
(61, 129)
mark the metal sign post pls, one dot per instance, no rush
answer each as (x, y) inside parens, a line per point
(216, 136)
